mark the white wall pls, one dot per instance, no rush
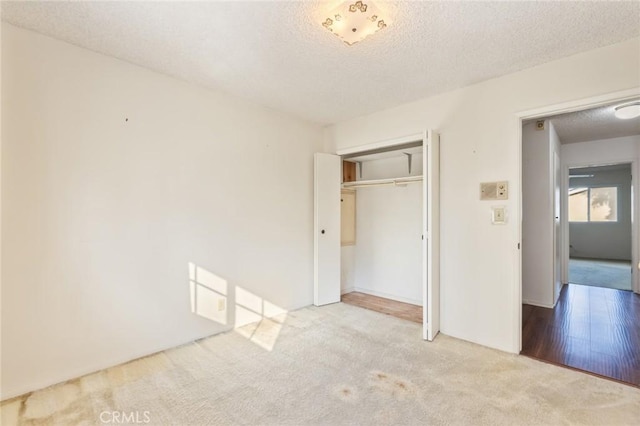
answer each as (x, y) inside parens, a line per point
(480, 295)
(538, 147)
(602, 151)
(347, 268)
(387, 257)
(102, 216)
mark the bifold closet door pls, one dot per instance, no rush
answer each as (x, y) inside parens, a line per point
(431, 241)
(326, 228)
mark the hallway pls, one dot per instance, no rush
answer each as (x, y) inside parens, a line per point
(591, 328)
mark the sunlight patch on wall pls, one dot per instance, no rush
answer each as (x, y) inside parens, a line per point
(208, 294)
(252, 317)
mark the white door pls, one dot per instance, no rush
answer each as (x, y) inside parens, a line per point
(431, 240)
(557, 239)
(326, 228)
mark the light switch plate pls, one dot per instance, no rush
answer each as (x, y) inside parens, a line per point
(499, 215)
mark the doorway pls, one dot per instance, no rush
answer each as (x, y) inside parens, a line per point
(599, 213)
(582, 162)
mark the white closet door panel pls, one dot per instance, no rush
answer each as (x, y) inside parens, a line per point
(326, 227)
(431, 245)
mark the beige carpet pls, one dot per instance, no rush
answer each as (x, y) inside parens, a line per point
(334, 365)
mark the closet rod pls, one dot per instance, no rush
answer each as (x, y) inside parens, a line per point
(382, 182)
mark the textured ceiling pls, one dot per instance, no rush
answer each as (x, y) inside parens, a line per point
(278, 55)
(593, 124)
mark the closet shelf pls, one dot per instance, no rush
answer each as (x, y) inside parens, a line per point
(381, 182)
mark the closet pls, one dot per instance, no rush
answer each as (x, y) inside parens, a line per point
(376, 224)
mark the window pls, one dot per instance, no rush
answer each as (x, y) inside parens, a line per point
(598, 204)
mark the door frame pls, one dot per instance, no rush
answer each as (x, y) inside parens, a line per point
(558, 231)
(428, 332)
(545, 111)
(635, 216)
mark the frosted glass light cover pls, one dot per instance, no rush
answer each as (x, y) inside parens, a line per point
(626, 112)
(354, 21)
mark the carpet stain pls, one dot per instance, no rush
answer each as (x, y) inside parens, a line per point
(46, 402)
(12, 410)
(84, 408)
(346, 393)
(23, 405)
(394, 386)
(95, 382)
(134, 370)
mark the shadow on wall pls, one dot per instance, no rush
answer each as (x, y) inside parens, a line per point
(251, 316)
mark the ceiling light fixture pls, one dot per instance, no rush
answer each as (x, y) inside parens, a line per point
(354, 21)
(627, 111)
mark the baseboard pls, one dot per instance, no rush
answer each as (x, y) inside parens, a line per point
(535, 303)
(382, 294)
(346, 290)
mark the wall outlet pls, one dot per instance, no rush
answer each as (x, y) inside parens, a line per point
(499, 215)
(222, 304)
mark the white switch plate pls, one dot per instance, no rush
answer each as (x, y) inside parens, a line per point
(222, 305)
(499, 215)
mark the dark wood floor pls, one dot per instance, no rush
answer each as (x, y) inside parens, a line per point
(591, 328)
(385, 306)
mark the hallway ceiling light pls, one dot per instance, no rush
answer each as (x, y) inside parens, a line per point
(354, 21)
(627, 111)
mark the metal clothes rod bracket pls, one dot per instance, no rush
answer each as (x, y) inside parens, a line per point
(409, 158)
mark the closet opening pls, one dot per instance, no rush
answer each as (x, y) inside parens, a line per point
(377, 229)
(381, 235)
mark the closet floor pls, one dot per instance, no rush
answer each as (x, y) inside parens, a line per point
(394, 308)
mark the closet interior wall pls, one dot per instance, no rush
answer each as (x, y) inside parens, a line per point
(386, 259)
